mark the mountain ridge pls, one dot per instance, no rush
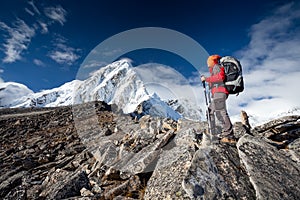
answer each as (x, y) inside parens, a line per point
(116, 84)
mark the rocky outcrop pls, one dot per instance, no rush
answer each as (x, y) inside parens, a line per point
(91, 151)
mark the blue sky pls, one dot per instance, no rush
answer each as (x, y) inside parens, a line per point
(44, 42)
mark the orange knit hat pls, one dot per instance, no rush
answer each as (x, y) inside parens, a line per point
(212, 60)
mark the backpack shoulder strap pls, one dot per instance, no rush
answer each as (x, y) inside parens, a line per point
(216, 69)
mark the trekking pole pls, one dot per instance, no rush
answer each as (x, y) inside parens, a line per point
(207, 110)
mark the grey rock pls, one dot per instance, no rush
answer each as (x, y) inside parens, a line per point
(240, 130)
(141, 161)
(10, 183)
(170, 171)
(273, 175)
(276, 122)
(216, 173)
(62, 184)
(18, 193)
(103, 154)
(295, 146)
(172, 165)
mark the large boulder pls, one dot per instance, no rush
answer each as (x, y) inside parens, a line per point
(272, 173)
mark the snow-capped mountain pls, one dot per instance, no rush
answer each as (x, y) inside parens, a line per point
(11, 93)
(61, 96)
(116, 83)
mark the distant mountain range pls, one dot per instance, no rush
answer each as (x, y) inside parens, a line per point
(117, 83)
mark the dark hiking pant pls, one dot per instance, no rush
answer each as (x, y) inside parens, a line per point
(218, 108)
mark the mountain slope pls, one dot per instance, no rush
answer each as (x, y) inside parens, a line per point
(44, 154)
(12, 93)
(116, 83)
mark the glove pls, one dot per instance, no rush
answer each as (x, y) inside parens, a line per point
(202, 78)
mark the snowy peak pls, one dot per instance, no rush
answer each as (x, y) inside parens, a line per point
(11, 92)
(119, 84)
(116, 84)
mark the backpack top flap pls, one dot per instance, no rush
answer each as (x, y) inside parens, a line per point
(233, 71)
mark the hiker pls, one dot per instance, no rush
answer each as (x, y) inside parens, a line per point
(219, 96)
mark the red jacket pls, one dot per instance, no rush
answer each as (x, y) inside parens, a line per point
(216, 79)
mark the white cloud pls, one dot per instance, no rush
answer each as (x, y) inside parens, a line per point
(18, 35)
(1, 71)
(29, 12)
(171, 82)
(36, 10)
(66, 57)
(95, 64)
(57, 14)
(111, 52)
(44, 27)
(271, 66)
(19, 38)
(38, 62)
(63, 54)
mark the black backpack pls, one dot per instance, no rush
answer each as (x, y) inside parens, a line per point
(233, 71)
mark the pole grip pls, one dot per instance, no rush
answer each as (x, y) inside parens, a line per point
(203, 83)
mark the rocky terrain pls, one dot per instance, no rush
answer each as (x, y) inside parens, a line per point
(90, 151)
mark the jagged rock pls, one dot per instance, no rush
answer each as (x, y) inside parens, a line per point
(272, 124)
(245, 120)
(142, 160)
(295, 146)
(63, 184)
(166, 179)
(10, 183)
(18, 193)
(216, 173)
(239, 129)
(131, 184)
(273, 175)
(104, 154)
(173, 164)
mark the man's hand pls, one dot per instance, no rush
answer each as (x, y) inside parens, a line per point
(202, 78)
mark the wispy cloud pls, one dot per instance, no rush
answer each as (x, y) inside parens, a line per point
(35, 9)
(1, 71)
(95, 64)
(18, 40)
(62, 53)
(29, 11)
(46, 18)
(271, 65)
(112, 52)
(64, 57)
(57, 14)
(39, 62)
(18, 35)
(43, 26)
(156, 76)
